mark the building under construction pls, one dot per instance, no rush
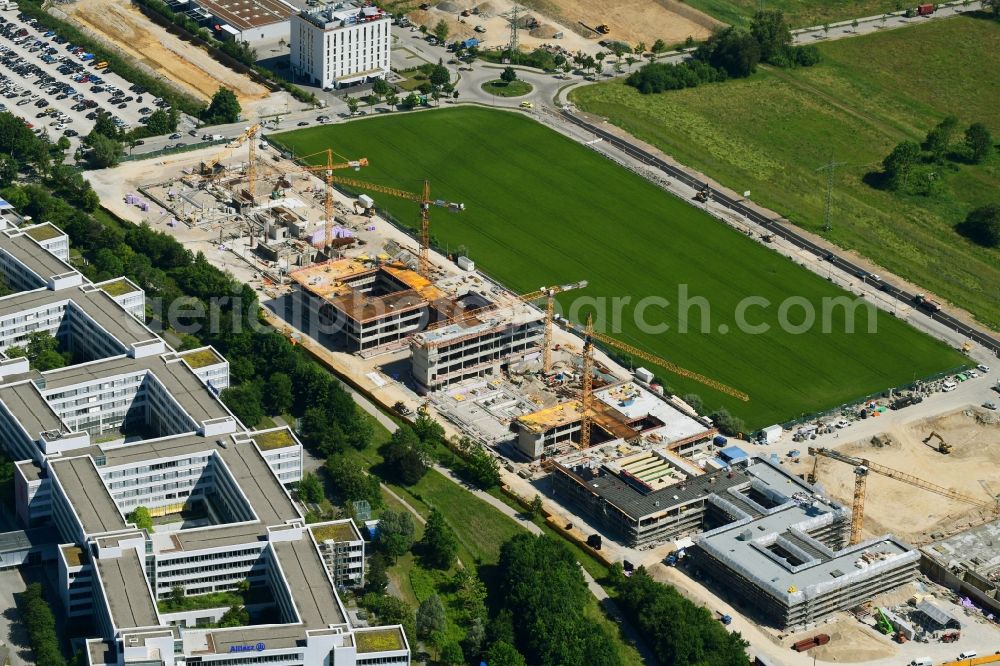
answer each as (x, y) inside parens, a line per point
(623, 411)
(474, 347)
(765, 536)
(368, 304)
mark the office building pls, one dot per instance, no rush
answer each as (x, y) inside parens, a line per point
(338, 47)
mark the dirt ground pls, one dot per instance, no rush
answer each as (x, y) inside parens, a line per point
(850, 643)
(191, 68)
(631, 21)
(919, 516)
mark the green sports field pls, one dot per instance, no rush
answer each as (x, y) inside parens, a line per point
(770, 133)
(542, 210)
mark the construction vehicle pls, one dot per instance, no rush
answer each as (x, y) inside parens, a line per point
(586, 398)
(883, 623)
(603, 29)
(423, 198)
(703, 195)
(942, 447)
(927, 304)
(366, 204)
(211, 167)
(863, 467)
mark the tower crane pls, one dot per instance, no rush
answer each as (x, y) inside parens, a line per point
(549, 294)
(588, 365)
(425, 201)
(328, 170)
(863, 467)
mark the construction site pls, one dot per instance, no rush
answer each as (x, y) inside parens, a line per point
(800, 542)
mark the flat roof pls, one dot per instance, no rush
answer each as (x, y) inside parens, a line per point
(563, 413)
(974, 549)
(89, 496)
(44, 231)
(379, 639)
(21, 540)
(633, 402)
(246, 14)
(314, 596)
(339, 531)
(30, 409)
(129, 599)
(35, 257)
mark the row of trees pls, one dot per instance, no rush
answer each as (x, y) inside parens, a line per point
(679, 632)
(731, 53)
(40, 624)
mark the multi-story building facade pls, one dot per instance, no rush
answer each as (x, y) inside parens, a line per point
(132, 423)
(339, 47)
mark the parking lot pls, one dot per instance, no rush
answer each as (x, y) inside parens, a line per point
(56, 86)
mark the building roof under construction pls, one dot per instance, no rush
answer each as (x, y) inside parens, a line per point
(247, 14)
(335, 282)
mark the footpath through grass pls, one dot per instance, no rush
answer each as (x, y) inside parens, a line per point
(542, 209)
(769, 134)
(800, 13)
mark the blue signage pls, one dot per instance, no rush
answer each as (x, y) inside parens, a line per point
(259, 647)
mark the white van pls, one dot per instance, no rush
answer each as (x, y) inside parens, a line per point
(949, 386)
(968, 654)
(923, 661)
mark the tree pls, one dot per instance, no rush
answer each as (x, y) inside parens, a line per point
(40, 625)
(430, 616)
(376, 579)
(224, 108)
(659, 46)
(410, 101)
(678, 631)
(475, 637)
(102, 152)
(236, 616)
(352, 104)
(772, 33)
(502, 653)
(104, 126)
(441, 31)
(351, 482)
(639, 48)
(396, 533)
(380, 87)
(899, 163)
(734, 50)
(451, 653)
(141, 518)
(310, 489)
(979, 142)
(391, 98)
(49, 360)
(482, 468)
(159, 122)
(279, 397)
(439, 75)
(508, 75)
(695, 401)
(405, 456)
(854, 25)
(439, 544)
(8, 170)
(982, 225)
(535, 508)
(938, 140)
(244, 401)
(727, 423)
(470, 592)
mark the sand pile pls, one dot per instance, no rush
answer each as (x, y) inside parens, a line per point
(544, 31)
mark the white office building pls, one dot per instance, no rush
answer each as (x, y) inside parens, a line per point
(339, 47)
(129, 423)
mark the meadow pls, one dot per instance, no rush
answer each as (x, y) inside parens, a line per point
(542, 210)
(800, 13)
(772, 132)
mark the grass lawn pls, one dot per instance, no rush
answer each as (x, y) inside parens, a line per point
(544, 210)
(800, 13)
(515, 88)
(770, 133)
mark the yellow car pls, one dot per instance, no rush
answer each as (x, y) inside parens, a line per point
(527, 105)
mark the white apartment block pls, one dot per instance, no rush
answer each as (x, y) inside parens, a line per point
(339, 47)
(132, 423)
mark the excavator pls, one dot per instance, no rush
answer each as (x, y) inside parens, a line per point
(942, 447)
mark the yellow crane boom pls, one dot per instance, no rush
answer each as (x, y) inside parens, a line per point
(328, 170)
(248, 133)
(425, 201)
(549, 294)
(862, 467)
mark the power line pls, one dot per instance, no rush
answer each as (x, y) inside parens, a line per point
(829, 167)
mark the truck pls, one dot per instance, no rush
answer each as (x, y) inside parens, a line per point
(810, 643)
(927, 304)
(925, 9)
